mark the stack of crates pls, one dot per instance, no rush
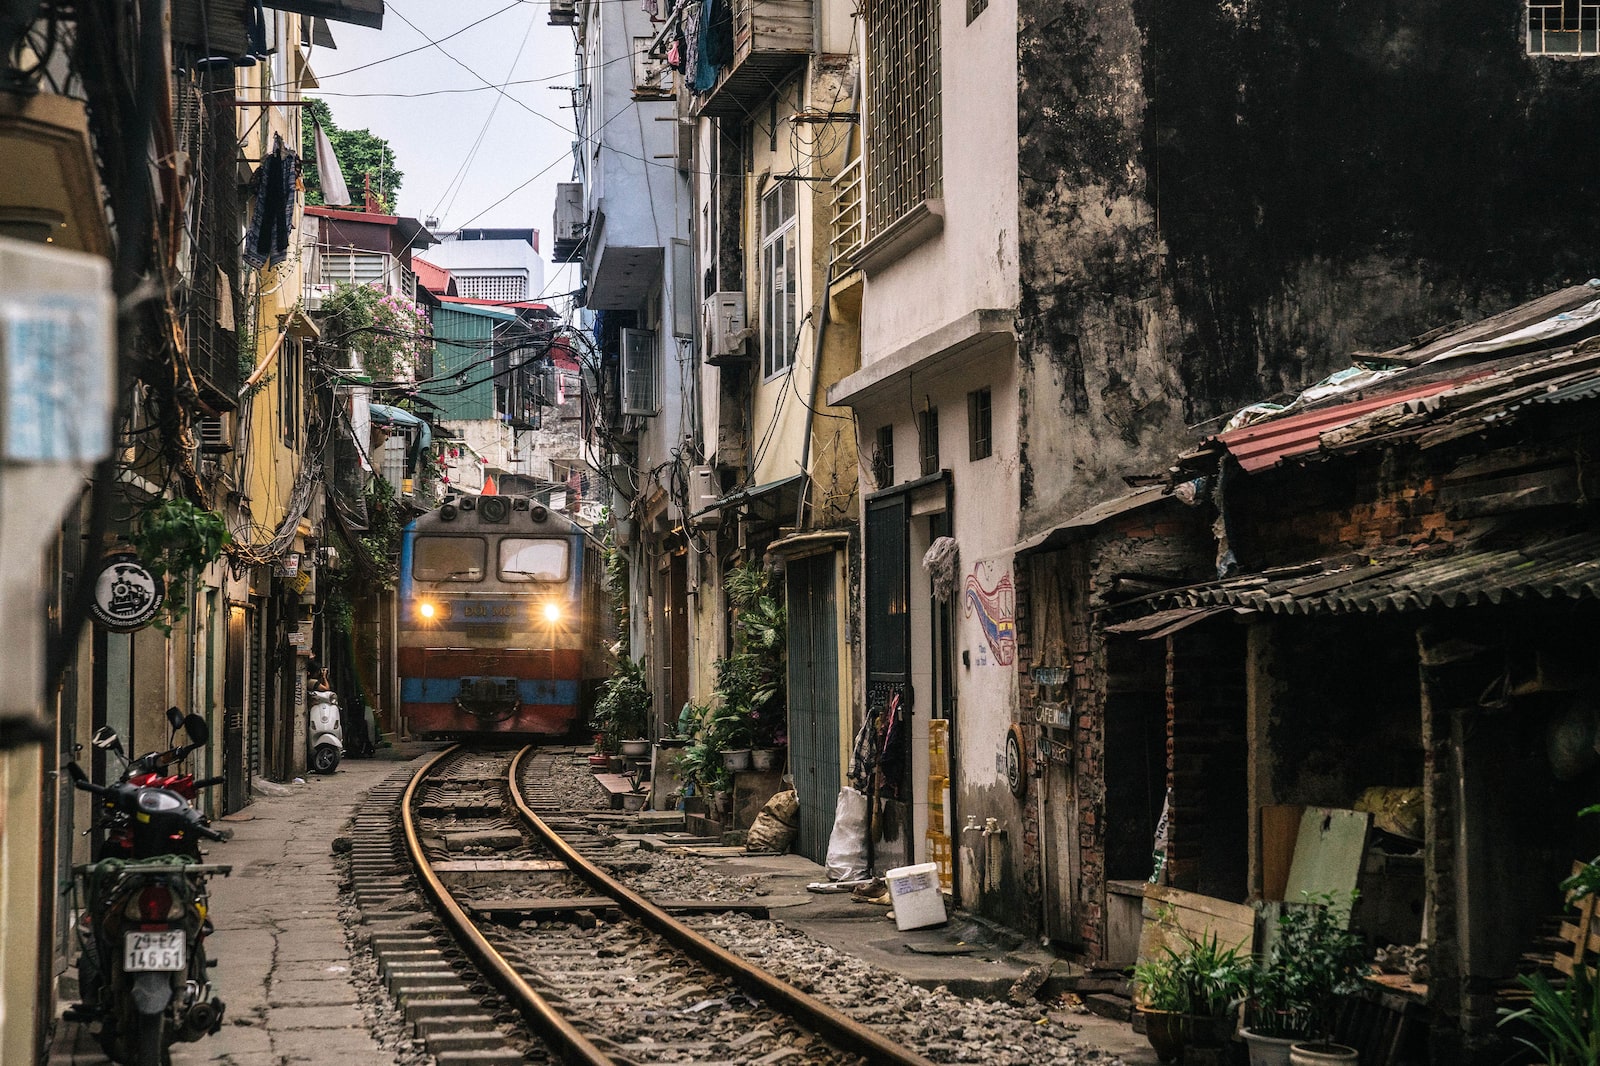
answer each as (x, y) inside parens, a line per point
(938, 799)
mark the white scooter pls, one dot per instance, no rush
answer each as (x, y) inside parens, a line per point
(326, 733)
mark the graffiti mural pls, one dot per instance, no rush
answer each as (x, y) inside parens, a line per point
(996, 611)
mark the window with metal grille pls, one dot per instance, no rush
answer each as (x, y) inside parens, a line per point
(883, 458)
(928, 440)
(638, 372)
(980, 426)
(778, 284)
(493, 286)
(290, 385)
(1563, 28)
(903, 142)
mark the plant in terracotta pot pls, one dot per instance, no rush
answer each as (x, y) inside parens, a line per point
(1294, 992)
(1189, 996)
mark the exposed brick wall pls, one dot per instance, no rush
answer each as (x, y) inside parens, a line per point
(1289, 515)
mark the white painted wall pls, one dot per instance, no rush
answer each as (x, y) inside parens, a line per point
(985, 495)
(476, 258)
(972, 264)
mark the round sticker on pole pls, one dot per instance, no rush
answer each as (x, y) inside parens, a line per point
(127, 596)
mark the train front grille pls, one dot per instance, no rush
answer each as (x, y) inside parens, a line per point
(491, 698)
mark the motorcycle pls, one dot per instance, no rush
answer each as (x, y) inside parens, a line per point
(149, 770)
(326, 733)
(143, 971)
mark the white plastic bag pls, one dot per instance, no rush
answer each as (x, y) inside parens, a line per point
(847, 845)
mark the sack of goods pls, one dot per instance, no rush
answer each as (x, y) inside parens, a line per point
(776, 825)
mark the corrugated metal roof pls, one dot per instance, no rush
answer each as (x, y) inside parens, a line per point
(1580, 390)
(1566, 567)
(1261, 445)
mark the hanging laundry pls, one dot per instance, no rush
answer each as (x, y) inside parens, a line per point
(718, 47)
(266, 242)
(894, 750)
(689, 26)
(653, 9)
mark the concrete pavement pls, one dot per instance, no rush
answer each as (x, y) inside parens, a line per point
(282, 965)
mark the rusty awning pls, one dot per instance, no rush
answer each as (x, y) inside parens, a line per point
(1482, 574)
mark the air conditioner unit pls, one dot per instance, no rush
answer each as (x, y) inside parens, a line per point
(563, 13)
(213, 436)
(703, 496)
(724, 329)
(569, 220)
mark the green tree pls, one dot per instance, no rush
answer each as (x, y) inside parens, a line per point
(359, 154)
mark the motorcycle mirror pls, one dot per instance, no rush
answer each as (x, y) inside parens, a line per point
(199, 732)
(105, 738)
(175, 718)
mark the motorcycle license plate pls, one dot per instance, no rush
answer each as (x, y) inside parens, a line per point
(153, 951)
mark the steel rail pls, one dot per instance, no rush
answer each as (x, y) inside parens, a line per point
(567, 1041)
(844, 1032)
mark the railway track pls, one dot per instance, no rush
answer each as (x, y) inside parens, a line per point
(500, 928)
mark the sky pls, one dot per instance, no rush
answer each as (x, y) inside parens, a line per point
(524, 131)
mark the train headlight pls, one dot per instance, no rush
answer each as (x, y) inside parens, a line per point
(552, 612)
(426, 610)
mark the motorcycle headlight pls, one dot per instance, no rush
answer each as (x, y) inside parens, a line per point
(160, 801)
(552, 613)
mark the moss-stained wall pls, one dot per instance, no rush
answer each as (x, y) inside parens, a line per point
(1224, 200)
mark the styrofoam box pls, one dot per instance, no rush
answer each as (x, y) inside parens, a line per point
(915, 892)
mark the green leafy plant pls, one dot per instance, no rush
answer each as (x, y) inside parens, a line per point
(622, 710)
(1317, 958)
(390, 333)
(360, 154)
(175, 538)
(1563, 1019)
(1562, 1022)
(1204, 978)
(616, 565)
(749, 691)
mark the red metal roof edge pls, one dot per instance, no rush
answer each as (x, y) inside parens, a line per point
(1265, 444)
(353, 216)
(529, 305)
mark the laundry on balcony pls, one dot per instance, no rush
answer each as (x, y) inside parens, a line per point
(266, 241)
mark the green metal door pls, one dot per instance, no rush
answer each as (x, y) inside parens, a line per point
(814, 699)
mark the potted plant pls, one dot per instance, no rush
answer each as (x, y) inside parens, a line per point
(621, 713)
(749, 688)
(1189, 997)
(1295, 991)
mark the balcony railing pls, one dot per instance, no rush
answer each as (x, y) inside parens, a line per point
(849, 223)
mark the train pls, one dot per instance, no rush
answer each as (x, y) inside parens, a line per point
(502, 620)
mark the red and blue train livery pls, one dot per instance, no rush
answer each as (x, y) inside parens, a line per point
(501, 620)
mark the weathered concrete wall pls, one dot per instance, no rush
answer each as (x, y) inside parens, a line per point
(1222, 201)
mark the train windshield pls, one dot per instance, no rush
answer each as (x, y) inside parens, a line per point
(448, 559)
(533, 560)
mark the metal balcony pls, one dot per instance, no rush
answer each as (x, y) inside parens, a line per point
(771, 40)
